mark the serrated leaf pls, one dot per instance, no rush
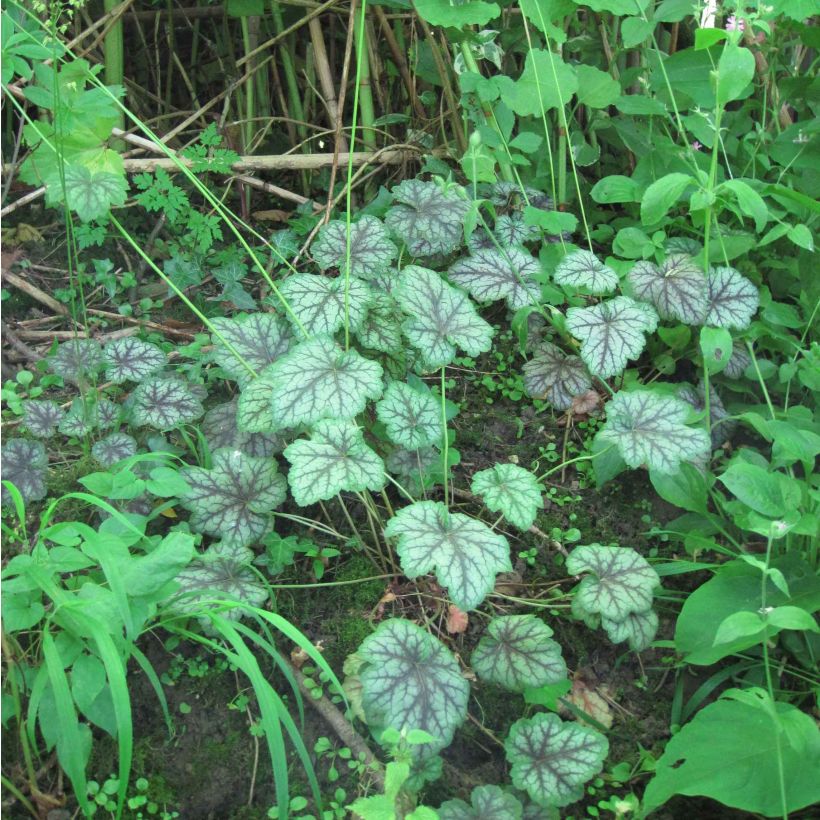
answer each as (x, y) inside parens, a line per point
(486, 803)
(738, 361)
(490, 275)
(512, 231)
(722, 425)
(583, 270)
(556, 377)
(77, 360)
(371, 250)
(221, 430)
(414, 466)
(429, 219)
(677, 288)
(611, 333)
(92, 194)
(335, 458)
(87, 413)
(552, 759)
(442, 318)
(255, 340)
(469, 13)
(322, 305)
(411, 417)
(164, 404)
(41, 417)
(510, 490)
(234, 499)
(114, 448)
(732, 299)
(131, 359)
(621, 581)
(638, 628)
(517, 652)
(410, 681)
(24, 465)
(381, 328)
(650, 429)
(318, 380)
(218, 580)
(254, 409)
(465, 554)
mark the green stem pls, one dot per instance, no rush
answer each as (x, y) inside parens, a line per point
(295, 106)
(445, 443)
(363, 80)
(113, 53)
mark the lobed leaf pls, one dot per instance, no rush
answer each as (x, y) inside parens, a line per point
(24, 465)
(41, 418)
(220, 429)
(77, 360)
(510, 490)
(114, 448)
(556, 377)
(381, 328)
(738, 361)
(486, 803)
(202, 582)
(490, 275)
(411, 417)
(677, 288)
(413, 467)
(732, 299)
(721, 424)
(164, 404)
(253, 341)
(323, 305)
(638, 629)
(371, 250)
(254, 409)
(131, 359)
(511, 231)
(583, 270)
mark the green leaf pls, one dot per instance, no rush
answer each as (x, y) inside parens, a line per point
(381, 328)
(677, 288)
(638, 629)
(77, 360)
(442, 317)
(254, 340)
(749, 200)
(164, 404)
(411, 417)
(544, 14)
(131, 359)
(596, 88)
(219, 579)
(244, 8)
(41, 417)
(732, 300)
(546, 82)
(517, 652)
(410, 681)
(220, 427)
(634, 30)
(553, 376)
(371, 250)
(510, 490)
(114, 448)
(661, 195)
(92, 194)
(335, 458)
(581, 269)
(687, 488)
(486, 803)
(801, 236)
(465, 554)
(770, 494)
(716, 348)
(24, 465)
(736, 69)
(650, 429)
(318, 380)
(615, 188)
(491, 274)
(551, 760)
(234, 499)
(468, 13)
(323, 306)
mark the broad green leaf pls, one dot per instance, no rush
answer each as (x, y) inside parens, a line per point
(517, 652)
(638, 629)
(731, 299)
(450, 15)
(253, 341)
(465, 554)
(551, 760)
(114, 448)
(410, 681)
(650, 429)
(634, 30)
(749, 201)
(611, 333)
(77, 360)
(661, 195)
(164, 404)
(486, 803)
(555, 377)
(411, 417)
(490, 275)
(442, 317)
(546, 82)
(24, 465)
(220, 427)
(615, 188)
(371, 250)
(510, 490)
(335, 458)
(769, 493)
(596, 88)
(92, 194)
(677, 288)
(620, 581)
(428, 218)
(687, 488)
(381, 328)
(131, 359)
(234, 499)
(582, 269)
(323, 306)
(318, 380)
(715, 347)
(736, 70)
(544, 14)
(41, 418)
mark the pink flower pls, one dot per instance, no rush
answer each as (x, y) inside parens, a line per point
(735, 23)
(696, 146)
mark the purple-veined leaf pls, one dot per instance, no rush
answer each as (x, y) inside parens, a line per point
(77, 360)
(91, 194)
(584, 271)
(114, 448)
(413, 467)
(677, 288)
(510, 195)
(490, 275)
(511, 231)
(732, 299)
(371, 250)
(254, 410)
(41, 418)
(556, 377)
(220, 429)
(88, 413)
(510, 490)
(255, 340)
(486, 803)
(24, 465)
(411, 417)
(131, 359)
(723, 427)
(638, 629)
(164, 404)
(381, 328)
(323, 305)
(738, 361)
(480, 240)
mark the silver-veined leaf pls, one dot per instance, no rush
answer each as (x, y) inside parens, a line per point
(77, 360)
(411, 417)
(87, 413)
(738, 361)
(164, 404)
(551, 760)
(318, 380)
(638, 629)
(611, 333)
(254, 410)
(486, 803)
(556, 377)
(234, 499)
(683, 244)
(428, 218)
(511, 195)
(131, 359)
(732, 299)
(91, 194)
(219, 579)
(442, 317)
(221, 430)
(584, 271)
(517, 652)
(677, 288)
(490, 275)
(41, 417)
(24, 465)
(465, 553)
(721, 423)
(510, 490)
(512, 231)
(650, 429)
(371, 250)
(114, 448)
(106, 414)
(335, 458)
(619, 583)
(381, 328)
(322, 305)
(481, 240)
(256, 340)
(414, 467)
(411, 681)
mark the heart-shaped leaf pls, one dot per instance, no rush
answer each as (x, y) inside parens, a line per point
(92, 194)
(24, 465)
(620, 582)
(517, 652)
(469, 13)
(381, 328)
(335, 458)
(41, 417)
(510, 490)
(371, 250)
(410, 681)
(164, 404)
(411, 417)
(611, 333)
(428, 218)
(638, 628)
(220, 429)
(677, 288)
(441, 317)
(323, 305)
(650, 429)
(732, 299)
(583, 270)
(114, 448)
(546, 82)
(556, 377)
(486, 803)
(552, 759)
(252, 341)
(203, 583)
(465, 554)
(77, 360)
(131, 359)
(490, 275)
(234, 499)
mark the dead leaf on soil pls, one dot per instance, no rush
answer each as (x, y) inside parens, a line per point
(274, 215)
(584, 403)
(456, 620)
(589, 699)
(509, 583)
